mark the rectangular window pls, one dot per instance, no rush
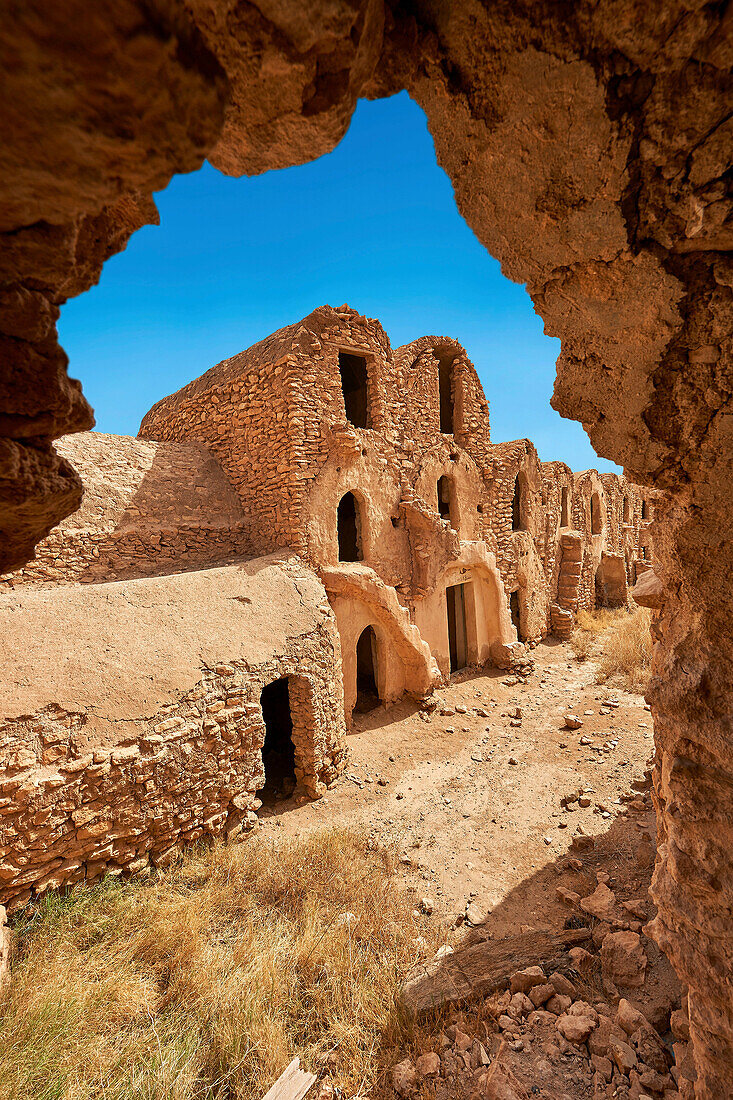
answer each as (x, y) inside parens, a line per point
(355, 388)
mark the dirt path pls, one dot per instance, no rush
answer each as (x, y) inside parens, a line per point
(472, 794)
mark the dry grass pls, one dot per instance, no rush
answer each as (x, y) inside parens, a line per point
(203, 982)
(619, 642)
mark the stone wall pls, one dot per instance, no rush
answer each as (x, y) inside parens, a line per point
(157, 742)
(281, 432)
(148, 508)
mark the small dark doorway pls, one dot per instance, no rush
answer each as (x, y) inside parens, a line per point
(445, 381)
(595, 515)
(444, 497)
(354, 383)
(515, 613)
(564, 510)
(349, 540)
(643, 509)
(455, 598)
(626, 510)
(278, 751)
(367, 693)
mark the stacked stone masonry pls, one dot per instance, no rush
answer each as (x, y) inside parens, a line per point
(162, 741)
(88, 789)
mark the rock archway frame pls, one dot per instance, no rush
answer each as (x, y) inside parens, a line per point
(588, 145)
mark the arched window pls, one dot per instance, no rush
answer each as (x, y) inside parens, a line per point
(595, 515)
(445, 497)
(367, 657)
(564, 508)
(355, 388)
(519, 505)
(349, 529)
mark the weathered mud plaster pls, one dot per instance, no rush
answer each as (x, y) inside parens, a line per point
(130, 719)
(588, 146)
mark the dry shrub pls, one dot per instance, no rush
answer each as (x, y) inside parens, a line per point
(202, 983)
(625, 651)
(619, 642)
(589, 625)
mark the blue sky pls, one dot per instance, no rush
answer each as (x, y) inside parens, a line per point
(373, 224)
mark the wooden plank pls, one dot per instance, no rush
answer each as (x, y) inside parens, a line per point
(292, 1084)
(485, 967)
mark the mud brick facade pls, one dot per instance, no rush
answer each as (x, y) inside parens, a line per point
(320, 512)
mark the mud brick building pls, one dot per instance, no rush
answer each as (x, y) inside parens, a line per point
(316, 525)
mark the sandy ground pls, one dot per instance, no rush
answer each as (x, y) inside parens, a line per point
(473, 800)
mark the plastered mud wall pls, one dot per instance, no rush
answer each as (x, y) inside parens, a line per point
(588, 146)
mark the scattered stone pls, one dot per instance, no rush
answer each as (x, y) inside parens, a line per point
(475, 914)
(523, 980)
(428, 1065)
(623, 959)
(557, 1004)
(601, 904)
(521, 1004)
(562, 985)
(538, 994)
(572, 722)
(404, 1077)
(426, 906)
(575, 1029)
(624, 1057)
(607, 1033)
(630, 1018)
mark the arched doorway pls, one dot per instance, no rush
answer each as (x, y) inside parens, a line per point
(516, 614)
(349, 529)
(367, 657)
(278, 750)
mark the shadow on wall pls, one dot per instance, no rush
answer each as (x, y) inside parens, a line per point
(149, 509)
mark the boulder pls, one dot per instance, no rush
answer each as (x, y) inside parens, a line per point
(648, 590)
